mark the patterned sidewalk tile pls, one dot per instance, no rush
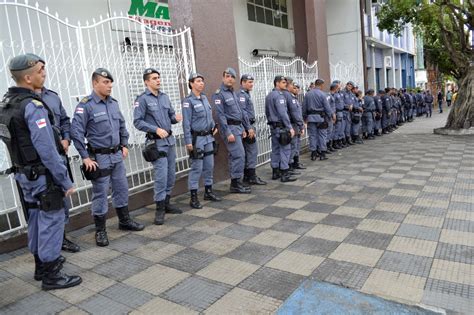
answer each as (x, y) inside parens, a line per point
(297, 263)
(328, 232)
(342, 273)
(156, 279)
(395, 285)
(273, 283)
(196, 293)
(357, 254)
(275, 238)
(412, 246)
(240, 301)
(229, 271)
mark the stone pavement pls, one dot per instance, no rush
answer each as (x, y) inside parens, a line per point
(392, 218)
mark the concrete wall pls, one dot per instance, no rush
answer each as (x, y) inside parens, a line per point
(344, 33)
(251, 35)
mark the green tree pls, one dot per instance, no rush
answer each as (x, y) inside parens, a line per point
(445, 26)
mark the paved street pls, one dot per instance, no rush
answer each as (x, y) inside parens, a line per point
(392, 218)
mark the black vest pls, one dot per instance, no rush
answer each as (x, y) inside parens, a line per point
(14, 129)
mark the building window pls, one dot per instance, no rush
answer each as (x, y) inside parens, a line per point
(270, 12)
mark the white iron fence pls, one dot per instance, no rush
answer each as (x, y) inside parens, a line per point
(264, 71)
(119, 43)
(347, 72)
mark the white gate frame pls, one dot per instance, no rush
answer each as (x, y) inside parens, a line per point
(120, 43)
(264, 71)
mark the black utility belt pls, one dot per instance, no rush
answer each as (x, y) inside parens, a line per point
(234, 122)
(93, 175)
(276, 124)
(316, 112)
(202, 133)
(110, 150)
(32, 172)
(154, 136)
(339, 110)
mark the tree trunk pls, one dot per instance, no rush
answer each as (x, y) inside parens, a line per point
(462, 114)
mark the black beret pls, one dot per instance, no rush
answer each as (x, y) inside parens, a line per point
(231, 71)
(148, 71)
(104, 73)
(246, 77)
(23, 62)
(195, 75)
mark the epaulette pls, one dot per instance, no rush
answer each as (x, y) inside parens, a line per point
(52, 92)
(37, 103)
(113, 99)
(218, 91)
(85, 99)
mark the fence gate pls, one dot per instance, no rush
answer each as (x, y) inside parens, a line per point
(119, 43)
(264, 71)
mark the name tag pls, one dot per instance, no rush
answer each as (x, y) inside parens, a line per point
(99, 114)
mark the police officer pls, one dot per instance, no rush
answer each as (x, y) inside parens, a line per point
(378, 114)
(317, 112)
(294, 112)
(233, 122)
(250, 142)
(154, 114)
(98, 119)
(331, 125)
(199, 130)
(356, 116)
(338, 126)
(26, 128)
(386, 110)
(428, 99)
(420, 106)
(348, 99)
(63, 123)
(276, 111)
(294, 89)
(368, 115)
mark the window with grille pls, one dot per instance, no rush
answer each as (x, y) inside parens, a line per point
(270, 12)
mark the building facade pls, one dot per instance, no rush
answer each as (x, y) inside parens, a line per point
(390, 60)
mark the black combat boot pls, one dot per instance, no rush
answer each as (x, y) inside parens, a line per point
(349, 141)
(125, 222)
(194, 202)
(322, 156)
(336, 144)
(358, 140)
(246, 178)
(286, 177)
(384, 131)
(54, 279)
(292, 171)
(237, 187)
(210, 195)
(254, 179)
(170, 208)
(39, 271)
(101, 238)
(160, 212)
(276, 173)
(314, 155)
(330, 148)
(69, 246)
(296, 163)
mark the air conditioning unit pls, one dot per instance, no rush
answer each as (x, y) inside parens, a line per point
(388, 61)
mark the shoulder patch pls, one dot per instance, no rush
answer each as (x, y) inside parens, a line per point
(85, 100)
(136, 104)
(218, 91)
(37, 103)
(185, 104)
